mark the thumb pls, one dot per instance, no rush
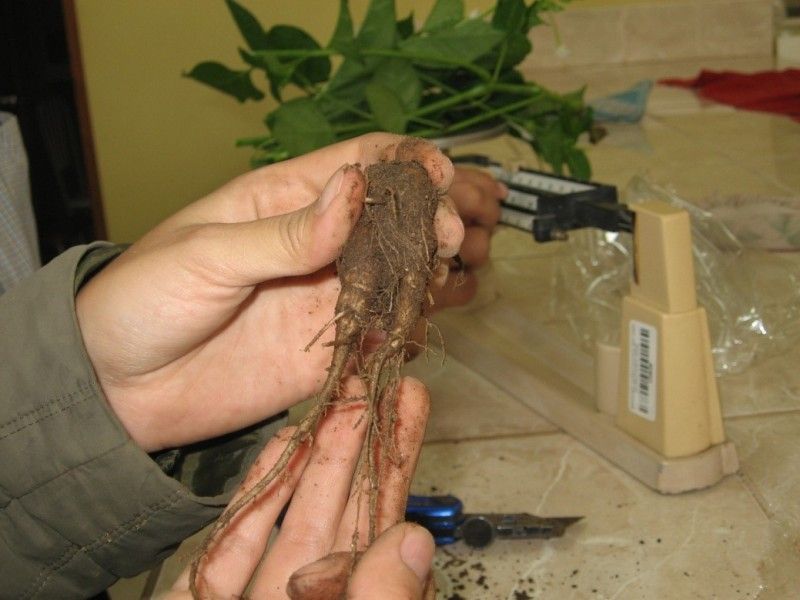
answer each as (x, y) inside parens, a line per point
(396, 566)
(295, 243)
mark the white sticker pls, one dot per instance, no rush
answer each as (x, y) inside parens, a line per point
(643, 360)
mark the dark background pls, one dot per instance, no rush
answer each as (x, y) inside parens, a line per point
(37, 86)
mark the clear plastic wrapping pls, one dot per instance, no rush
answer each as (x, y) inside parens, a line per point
(752, 297)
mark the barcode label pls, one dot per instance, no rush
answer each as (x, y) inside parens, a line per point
(643, 361)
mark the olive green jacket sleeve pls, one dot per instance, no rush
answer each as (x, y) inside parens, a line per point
(80, 504)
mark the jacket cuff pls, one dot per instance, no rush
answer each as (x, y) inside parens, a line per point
(80, 503)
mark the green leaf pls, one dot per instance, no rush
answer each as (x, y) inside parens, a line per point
(519, 46)
(555, 135)
(386, 108)
(575, 97)
(390, 70)
(400, 77)
(466, 42)
(538, 7)
(278, 74)
(352, 72)
(548, 142)
(510, 16)
(220, 77)
(314, 69)
(300, 127)
(248, 25)
(405, 27)
(575, 123)
(445, 13)
(343, 39)
(349, 105)
(303, 70)
(379, 29)
(578, 164)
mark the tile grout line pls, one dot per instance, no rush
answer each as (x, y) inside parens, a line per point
(756, 494)
(496, 437)
(776, 413)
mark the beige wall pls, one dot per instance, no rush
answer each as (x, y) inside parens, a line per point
(163, 140)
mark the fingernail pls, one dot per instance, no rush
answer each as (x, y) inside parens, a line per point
(332, 189)
(440, 274)
(326, 578)
(416, 551)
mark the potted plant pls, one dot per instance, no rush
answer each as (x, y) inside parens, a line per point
(449, 75)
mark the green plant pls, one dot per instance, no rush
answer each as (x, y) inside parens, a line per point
(452, 74)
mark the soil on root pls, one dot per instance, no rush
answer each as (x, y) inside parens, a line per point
(384, 269)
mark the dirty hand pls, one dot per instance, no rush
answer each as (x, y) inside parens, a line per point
(199, 328)
(317, 531)
(477, 196)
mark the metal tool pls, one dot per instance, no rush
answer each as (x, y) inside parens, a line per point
(443, 516)
(548, 206)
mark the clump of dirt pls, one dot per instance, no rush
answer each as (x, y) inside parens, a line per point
(384, 268)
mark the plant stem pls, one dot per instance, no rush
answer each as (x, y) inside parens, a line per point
(348, 107)
(492, 114)
(368, 116)
(499, 64)
(481, 90)
(379, 52)
(253, 141)
(487, 116)
(479, 104)
(429, 58)
(518, 88)
(358, 126)
(438, 83)
(478, 90)
(295, 53)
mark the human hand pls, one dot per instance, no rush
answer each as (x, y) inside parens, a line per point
(199, 328)
(477, 196)
(316, 535)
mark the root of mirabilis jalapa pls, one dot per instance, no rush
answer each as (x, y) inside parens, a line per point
(384, 269)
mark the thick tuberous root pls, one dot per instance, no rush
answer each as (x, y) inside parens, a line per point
(384, 270)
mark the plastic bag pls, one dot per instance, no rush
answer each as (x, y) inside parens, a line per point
(752, 298)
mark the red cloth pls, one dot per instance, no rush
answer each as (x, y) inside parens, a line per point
(767, 91)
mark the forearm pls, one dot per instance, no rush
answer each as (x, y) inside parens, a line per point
(82, 504)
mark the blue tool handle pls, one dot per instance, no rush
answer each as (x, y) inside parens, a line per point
(444, 540)
(441, 515)
(434, 507)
